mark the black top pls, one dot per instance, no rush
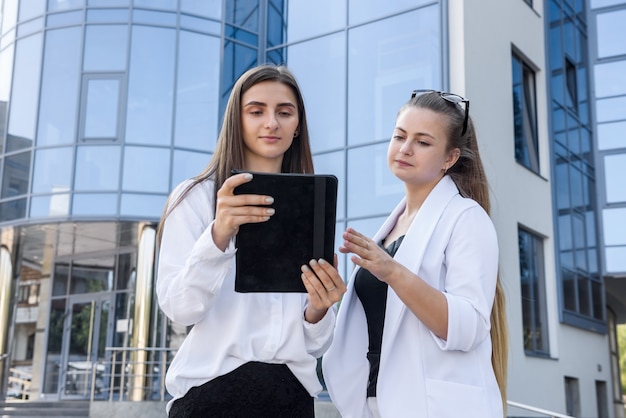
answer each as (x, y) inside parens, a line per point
(373, 296)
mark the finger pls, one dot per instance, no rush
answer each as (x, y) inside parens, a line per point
(231, 183)
(318, 295)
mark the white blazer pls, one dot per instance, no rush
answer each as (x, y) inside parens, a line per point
(452, 245)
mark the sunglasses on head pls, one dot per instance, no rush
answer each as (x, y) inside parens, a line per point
(452, 98)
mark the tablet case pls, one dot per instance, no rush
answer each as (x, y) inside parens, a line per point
(270, 254)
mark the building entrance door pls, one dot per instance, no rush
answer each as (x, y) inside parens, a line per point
(88, 329)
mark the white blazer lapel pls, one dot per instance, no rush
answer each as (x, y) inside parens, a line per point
(411, 251)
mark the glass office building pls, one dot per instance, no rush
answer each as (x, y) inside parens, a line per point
(106, 105)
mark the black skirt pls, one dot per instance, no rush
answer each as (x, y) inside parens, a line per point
(253, 390)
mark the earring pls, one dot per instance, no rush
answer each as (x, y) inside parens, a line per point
(296, 133)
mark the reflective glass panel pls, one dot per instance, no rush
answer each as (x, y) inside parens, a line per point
(60, 5)
(15, 175)
(206, 8)
(108, 3)
(611, 135)
(156, 4)
(6, 70)
(25, 93)
(614, 174)
(334, 163)
(323, 59)
(307, 18)
(94, 204)
(243, 13)
(50, 206)
(9, 15)
(608, 110)
(106, 47)
(97, 168)
(614, 222)
(60, 87)
(142, 205)
(363, 10)
(388, 60)
(152, 17)
(28, 28)
(197, 103)
(55, 343)
(379, 191)
(611, 33)
(146, 169)
(604, 3)
(53, 169)
(65, 19)
(616, 259)
(609, 79)
(102, 108)
(151, 86)
(200, 24)
(188, 164)
(14, 209)
(110, 15)
(92, 275)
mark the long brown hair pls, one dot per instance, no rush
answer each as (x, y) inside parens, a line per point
(470, 178)
(229, 152)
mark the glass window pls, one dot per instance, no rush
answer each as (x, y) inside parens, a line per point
(156, 4)
(6, 71)
(308, 19)
(614, 174)
(107, 15)
(60, 87)
(94, 204)
(142, 205)
(55, 343)
(379, 191)
(25, 93)
(27, 28)
(152, 17)
(101, 108)
(276, 23)
(604, 3)
(188, 164)
(197, 104)
(206, 8)
(616, 259)
(13, 209)
(65, 19)
(97, 168)
(534, 312)
(608, 110)
(8, 17)
(108, 3)
(611, 32)
(146, 169)
(60, 5)
(200, 24)
(614, 226)
(30, 9)
(151, 86)
(609, 79)
(106, 47)
(237, 59)
(323, 59)
(525, 115)
(243, 13)
(334, 163)
(611, 135)
(388, 60)
(50, 206)
(53, 169)
(16, 174)
(92, 275)
(363, 10)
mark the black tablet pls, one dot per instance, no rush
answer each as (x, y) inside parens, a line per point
(270, 254)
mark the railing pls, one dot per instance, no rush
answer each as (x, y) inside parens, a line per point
(125, 378)
(19, 383)
(544, 412)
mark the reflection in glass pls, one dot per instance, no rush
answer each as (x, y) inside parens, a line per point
(8, 17)
(97, 168)
(611, 135)
(25, 92)
(196, 101)
(616, 259)
(237, 60)
(151, 86)
(389, 59)
(92, 276)
(608, 79)
(108, 3)
(613, 109)
(379, 190)
(102, 108)
(323, 59)
(28, 28)
(15, 175)
(60, 279)
(65, 19)
(142, 205)
(60, 87)
(156, 4)
(152, 17)
(107, 16)
(206, 8)
(199, 24)
(188, 164)
(146, 169)
(243, 13)
(615, 173)
(53, 168)
(46, 206)
(55, 343)
(308, 19)
(363, 10)
(13, 209)
(611, 32)
(106, 47)
(334, 163)
(94, 204)
(614, 221)
(59, 5)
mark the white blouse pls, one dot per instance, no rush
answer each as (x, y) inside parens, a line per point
(195, 286)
